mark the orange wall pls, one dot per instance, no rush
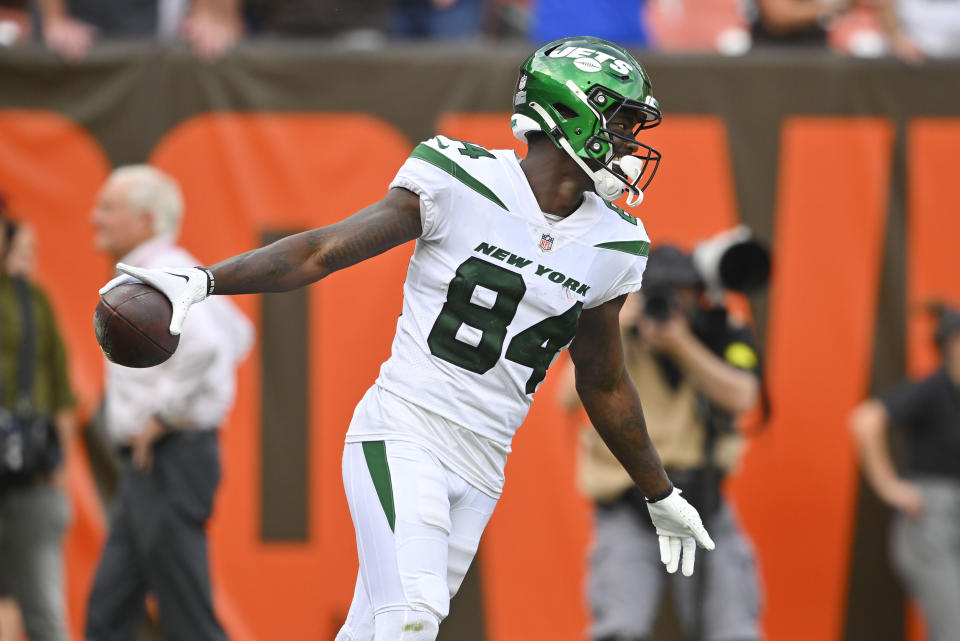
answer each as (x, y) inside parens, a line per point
(797, 488)
(246, 173)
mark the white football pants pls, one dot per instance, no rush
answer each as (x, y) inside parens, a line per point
(418, 526)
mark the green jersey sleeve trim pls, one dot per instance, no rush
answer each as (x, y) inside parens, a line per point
(428, 154)
(376, 454)
(627, 217)
(635, 247)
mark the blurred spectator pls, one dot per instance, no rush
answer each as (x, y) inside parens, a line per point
(910, 28)
(20, 255)
(621, 21)
(921, 28)
(165, 421)
(351, 21)
(36, 421)
(695, 371)
(792, 22)
(926, 527)
(70, 27)
(437, 19)
(698, 25)
(14, 23)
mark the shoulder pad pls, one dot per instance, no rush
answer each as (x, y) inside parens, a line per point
(460, 149)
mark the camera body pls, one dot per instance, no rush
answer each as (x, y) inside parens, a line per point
(28, 445)
(659, 303)
(732, 260)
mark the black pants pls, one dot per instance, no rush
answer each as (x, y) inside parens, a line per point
(157, 544)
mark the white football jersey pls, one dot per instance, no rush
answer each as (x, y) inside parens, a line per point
(494, 289)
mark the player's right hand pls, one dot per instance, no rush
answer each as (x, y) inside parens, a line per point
(182, 286)
(680, 530)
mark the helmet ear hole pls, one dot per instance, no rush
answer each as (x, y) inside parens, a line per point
(566, 112)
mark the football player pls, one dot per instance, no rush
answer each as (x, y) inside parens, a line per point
(515, 260)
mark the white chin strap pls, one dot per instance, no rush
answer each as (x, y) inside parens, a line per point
(608, 186)
(632, 167)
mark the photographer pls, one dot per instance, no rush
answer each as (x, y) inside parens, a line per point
(695, 372)
(35, 420)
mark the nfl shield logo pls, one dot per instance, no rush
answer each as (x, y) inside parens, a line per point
(546, 242)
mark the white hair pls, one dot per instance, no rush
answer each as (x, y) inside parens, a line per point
(156, 193)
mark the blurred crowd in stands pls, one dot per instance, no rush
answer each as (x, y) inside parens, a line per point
(911, 30)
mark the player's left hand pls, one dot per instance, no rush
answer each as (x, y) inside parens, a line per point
(182, 286)
(680, 530)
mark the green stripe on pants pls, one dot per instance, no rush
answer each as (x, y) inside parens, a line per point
(376, 454)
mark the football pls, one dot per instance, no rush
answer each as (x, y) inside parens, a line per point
(132, 326)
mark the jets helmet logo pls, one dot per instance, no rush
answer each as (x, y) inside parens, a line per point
(581, 55)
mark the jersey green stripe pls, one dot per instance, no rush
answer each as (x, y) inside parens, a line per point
(635, 247)
(428, 154)
(376, 454)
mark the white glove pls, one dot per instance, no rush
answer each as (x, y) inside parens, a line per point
(182, 286)
(680, 529)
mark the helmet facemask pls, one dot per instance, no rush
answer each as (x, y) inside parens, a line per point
(631, 172)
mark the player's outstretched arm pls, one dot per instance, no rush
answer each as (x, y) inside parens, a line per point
(611, 402)
(307, 257)
(610, 397)
(290, 262)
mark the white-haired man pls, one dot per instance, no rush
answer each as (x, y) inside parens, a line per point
(164, 421)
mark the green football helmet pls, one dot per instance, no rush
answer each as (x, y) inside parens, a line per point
(571, 89)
